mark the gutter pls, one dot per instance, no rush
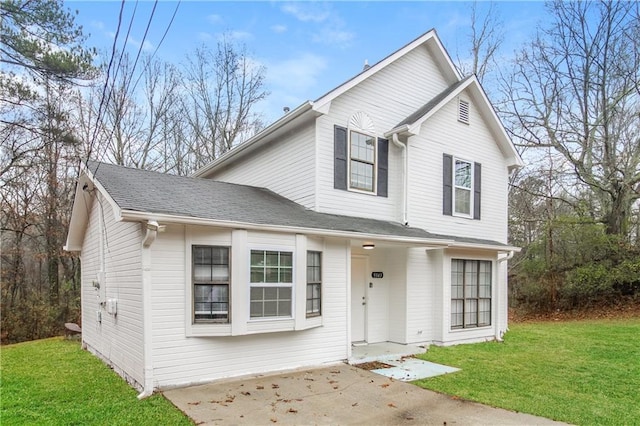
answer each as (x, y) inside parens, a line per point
(136, 216)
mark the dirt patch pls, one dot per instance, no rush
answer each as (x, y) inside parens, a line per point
(373, 365)
(623, 310)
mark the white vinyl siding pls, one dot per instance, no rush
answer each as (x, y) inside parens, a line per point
(285, 166)
(181, 360)
(117, 338)
(441, 134)
(388, 97)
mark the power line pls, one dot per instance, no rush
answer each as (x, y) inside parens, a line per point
(106, 83)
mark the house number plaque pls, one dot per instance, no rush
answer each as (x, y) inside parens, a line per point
(377, 275)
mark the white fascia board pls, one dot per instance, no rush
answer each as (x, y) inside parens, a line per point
(82, 206)
(261, 136)
(480, 246)
(321, 102)
(136, 216)
(504, 141)
(443, 102)
(446, 56)
(79, 216)
(117, 211)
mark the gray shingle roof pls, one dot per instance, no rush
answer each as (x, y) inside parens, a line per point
(424, 109)
(159, 193)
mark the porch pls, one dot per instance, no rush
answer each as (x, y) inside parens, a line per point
(400, 364)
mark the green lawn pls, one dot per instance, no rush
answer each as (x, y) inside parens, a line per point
(54, 382)
(586, 372)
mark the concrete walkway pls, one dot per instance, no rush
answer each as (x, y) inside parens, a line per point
(339, 395)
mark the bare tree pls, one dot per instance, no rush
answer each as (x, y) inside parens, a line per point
(485, 38)
(576, 88)
(222, 87)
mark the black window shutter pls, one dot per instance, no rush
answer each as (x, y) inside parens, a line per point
(383, 166)
(447, 184)
(340, 158)
(477, 172)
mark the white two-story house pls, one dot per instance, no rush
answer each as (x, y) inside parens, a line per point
(376, 213)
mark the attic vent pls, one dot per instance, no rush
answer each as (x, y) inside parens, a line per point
(463, 111)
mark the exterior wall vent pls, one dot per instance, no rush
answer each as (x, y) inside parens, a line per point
(463, 111)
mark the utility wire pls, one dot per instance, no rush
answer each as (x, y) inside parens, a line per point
(104, 89)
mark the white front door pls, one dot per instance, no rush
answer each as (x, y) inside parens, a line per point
(358, 298)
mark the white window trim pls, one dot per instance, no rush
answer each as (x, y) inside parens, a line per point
(447, 293)
(292, 284)
(375, 162)
(454, 187)
(193, 329)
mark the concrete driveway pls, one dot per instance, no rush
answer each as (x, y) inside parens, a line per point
(341, 394)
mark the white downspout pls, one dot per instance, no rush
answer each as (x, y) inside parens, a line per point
(405, 174)
(151, 229)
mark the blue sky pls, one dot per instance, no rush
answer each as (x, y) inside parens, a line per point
(307, 47)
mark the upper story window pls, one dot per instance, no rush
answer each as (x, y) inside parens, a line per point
(362, 164)
(461, 187)
(463, 177)
(210, 284)
(271, 284)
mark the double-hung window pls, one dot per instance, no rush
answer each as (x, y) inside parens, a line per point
(470, 293)
(271, 284)
(362, 161)
(210, 284)
(462, 194)
(314, 283)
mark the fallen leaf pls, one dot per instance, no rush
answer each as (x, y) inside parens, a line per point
(332, 382)
(274, 420)
(384, 385)
(392, 405)
(277, 394)
(246, 393)
(335, 387)
(354, 404)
